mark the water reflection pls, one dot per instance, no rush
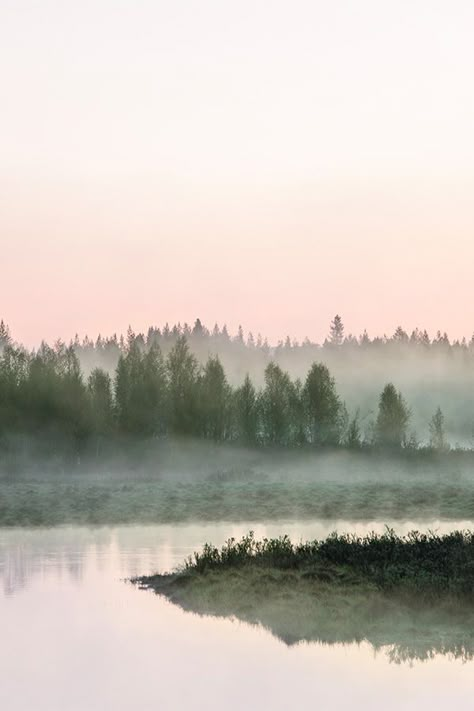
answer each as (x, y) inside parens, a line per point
(76, 637)
(25, 554)
(403, 635)
(68, 555)
(140, 550)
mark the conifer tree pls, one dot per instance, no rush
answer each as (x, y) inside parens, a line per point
(5, 336)
(336, 333)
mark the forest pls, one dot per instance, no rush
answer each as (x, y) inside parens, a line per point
(173, 383)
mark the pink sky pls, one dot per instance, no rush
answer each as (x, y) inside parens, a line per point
(161, 163)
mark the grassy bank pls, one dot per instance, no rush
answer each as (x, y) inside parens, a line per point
(413, 595)
(173, 481)
(75, 500)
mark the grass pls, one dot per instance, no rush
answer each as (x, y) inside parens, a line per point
(412, 595)
(86, 501)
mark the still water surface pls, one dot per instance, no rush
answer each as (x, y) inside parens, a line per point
(76, 636)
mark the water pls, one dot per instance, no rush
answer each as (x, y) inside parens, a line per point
(76, 636)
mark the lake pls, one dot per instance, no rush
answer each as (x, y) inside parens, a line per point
(75, 635)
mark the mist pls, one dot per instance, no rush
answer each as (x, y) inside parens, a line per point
(236, 245)
(430, 372)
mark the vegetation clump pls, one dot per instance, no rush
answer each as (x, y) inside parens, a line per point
(425, 563)
(412, 595)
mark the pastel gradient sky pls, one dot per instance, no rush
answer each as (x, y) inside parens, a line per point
(264, 163)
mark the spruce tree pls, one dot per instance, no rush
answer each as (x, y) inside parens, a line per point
(5, 336)
(336, 333)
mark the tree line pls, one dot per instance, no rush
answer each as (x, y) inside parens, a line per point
(218, 338)
(152, 396)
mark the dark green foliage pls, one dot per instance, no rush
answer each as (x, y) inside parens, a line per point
(426, 564)
(323, 408)
(392, 419)
(246, 413)
(53, 397)
(277, 404)
(14, 371)
(140, 392)
(214, 398)
(45, 391)
(182, 368)
(150, 396)
(101, 402)
(429, 371)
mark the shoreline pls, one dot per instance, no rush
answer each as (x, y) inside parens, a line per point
(300, 594)
(39, 503)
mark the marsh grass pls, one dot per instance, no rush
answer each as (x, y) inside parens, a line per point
(87, 501)
(423, 563)
(411, 594)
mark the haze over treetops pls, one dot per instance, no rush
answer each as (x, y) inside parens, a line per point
(198, 383)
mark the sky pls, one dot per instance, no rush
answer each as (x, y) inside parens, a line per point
(267, 164)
